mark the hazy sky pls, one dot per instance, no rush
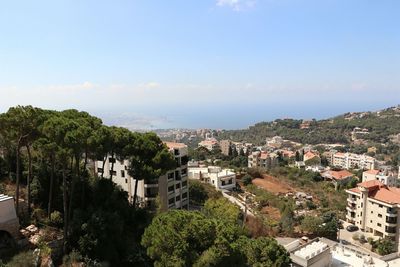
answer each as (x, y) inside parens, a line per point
(200, 63)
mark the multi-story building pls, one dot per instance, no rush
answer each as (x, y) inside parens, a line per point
(210, 144)
(221, 179)
(385, 177)
(262, 159)
(225, 146)
(171, 188)
(352, 161)
(374, 208)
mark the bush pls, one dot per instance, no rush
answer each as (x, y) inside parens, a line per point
(38, 215)
(385, 246)
(370, 241)
(356, 236)
(56, 218)
(72, 258)
(256, 172)
(247, 179)
(311, 205)
(23, 259)
(362, 238)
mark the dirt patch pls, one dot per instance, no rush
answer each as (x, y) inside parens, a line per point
(272, 184)
(271, 212)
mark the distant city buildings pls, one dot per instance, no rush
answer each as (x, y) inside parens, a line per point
(171, 188)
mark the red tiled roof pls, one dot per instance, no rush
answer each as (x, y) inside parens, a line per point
(380, 191)
(339, 175)
(174, 145)
(374, 172)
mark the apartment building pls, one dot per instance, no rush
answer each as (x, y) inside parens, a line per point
(374, 208)
(225, 146)
(385, 177)
(221, 179)
(210, 144)
(352, 161)
(172, 188)
(262, 159)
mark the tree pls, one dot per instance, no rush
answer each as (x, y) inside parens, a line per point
(149, 158)
(310, 224)
(197, 192)
(287, 218)
(385, 246)
(223, 210)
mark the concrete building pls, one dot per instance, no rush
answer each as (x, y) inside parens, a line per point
(374, 208)
(226, 146)
(385, 177)
(352, 161)
(275, 141)
(172, 188)
(338, 178)
(313, 254)
(9, 223)
(262, 159)
(210, 144)
(216, 176)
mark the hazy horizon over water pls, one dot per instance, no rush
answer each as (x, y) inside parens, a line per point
(229, 117)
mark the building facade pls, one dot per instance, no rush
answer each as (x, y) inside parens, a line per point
(221, 179)
(374, 208)
(171, 188)
(352, 161)
(262, 159)
(385, 177)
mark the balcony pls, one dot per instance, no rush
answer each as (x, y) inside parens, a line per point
(391, 212)
(351, 200)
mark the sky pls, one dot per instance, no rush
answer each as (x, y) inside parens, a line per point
(200, 63)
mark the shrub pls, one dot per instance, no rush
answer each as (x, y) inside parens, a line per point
(356, 236)
(247, 179)
(38, 215)
(311, 205)
(56, 218)
(23, 259)
(255, 172)
(362, 238)
(370, 241)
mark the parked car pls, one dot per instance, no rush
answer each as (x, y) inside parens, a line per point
(351, 228)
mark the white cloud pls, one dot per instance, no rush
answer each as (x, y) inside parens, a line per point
(236, 5)
(149, 85)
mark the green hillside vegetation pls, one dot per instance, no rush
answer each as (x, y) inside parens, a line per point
(335, 130)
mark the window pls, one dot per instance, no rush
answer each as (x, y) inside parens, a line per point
(170, 175)
(379, 224)
(111, 160)
(113, 172)
(184, 195)
(380, 215)
(126, 180)
(184, 183)
(178, 198)
(122, 173)
(100, 170)
(223, 182)
(380, 206)
(170, 201)
(177, 186)
(372, 212)
(170, 189)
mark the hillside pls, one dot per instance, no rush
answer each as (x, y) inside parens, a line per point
(380, 124)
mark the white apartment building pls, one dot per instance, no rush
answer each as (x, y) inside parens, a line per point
(352, 161)
(374, 208)
(385, 177)
(172, 188)
(262, 159)
(214, 175)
